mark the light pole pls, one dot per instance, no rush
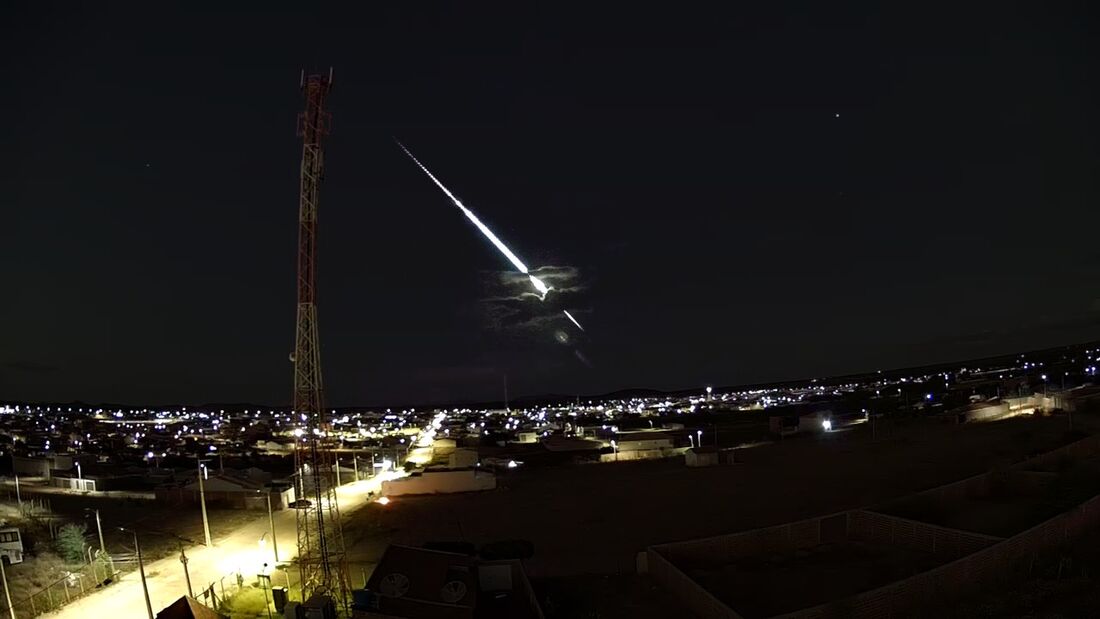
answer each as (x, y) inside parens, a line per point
(699, 436)
(263, 577)
(99, 529)
(186, 573)
(18, 498)
(271, 523)
(7, 594)
(355, 467)
(202, 500)
(141, 570)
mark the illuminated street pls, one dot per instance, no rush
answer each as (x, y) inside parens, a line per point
(240, 551)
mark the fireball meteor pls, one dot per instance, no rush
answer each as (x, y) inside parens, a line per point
(539, 285)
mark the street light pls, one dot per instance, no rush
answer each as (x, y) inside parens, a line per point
(141, 570)
(699, 435)
(99, 529)
(271, 523)
(264, 576)
(202, 500)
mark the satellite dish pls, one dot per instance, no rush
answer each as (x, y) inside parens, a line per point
(394, 585)
(453, 591)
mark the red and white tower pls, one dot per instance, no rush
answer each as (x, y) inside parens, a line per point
(321, 557)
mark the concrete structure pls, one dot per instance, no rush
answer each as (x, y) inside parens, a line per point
(557, 443)
(701, 456)
(634, 442)
(227, 491)
(188, 608)
(11, 545)
(430, 584)
(527, 437)
(40, 466)
(848, 564)
(440, 482)
(444, 446)
(462, 459)
(98, 478)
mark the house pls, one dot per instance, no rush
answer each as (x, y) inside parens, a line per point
(527, 437)
(228, 491)
(188, 608)
(11, 545)
(701, 456)
(40, 466)
(417, 583)
(643, 441)
(462, 458)
(98, 478)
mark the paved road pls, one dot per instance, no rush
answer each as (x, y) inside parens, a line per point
(239, 551)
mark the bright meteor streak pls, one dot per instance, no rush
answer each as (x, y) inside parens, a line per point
(539, 285)
(574, 320)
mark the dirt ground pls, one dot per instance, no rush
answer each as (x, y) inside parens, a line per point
(594, 519)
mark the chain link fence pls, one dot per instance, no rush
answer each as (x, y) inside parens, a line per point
(72, 586)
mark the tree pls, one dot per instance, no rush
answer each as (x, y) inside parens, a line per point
(70, 542)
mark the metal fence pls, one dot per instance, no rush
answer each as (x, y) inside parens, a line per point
(73, 586)
(218, 593)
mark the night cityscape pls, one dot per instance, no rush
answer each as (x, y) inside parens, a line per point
(773, 311)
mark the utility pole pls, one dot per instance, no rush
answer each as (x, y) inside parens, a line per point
(271, 523)
(355, 465)
(186, 573)
(99, 529)
(202, 501)
(7, 594)
(141, 570)
(18, 498)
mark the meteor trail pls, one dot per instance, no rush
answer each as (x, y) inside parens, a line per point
(574, 320)
(539, 285)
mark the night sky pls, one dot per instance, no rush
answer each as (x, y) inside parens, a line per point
(722, 198)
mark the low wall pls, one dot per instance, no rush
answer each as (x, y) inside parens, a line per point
(1084, 448)
(976, 560)
(440, 482)
(221, 498)
(687, 591)
(876, 528)
(965, 575)
(791, 536)
(642, 454)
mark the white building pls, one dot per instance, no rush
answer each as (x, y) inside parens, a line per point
(11, 545)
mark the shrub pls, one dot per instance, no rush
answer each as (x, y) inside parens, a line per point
(70, 542)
